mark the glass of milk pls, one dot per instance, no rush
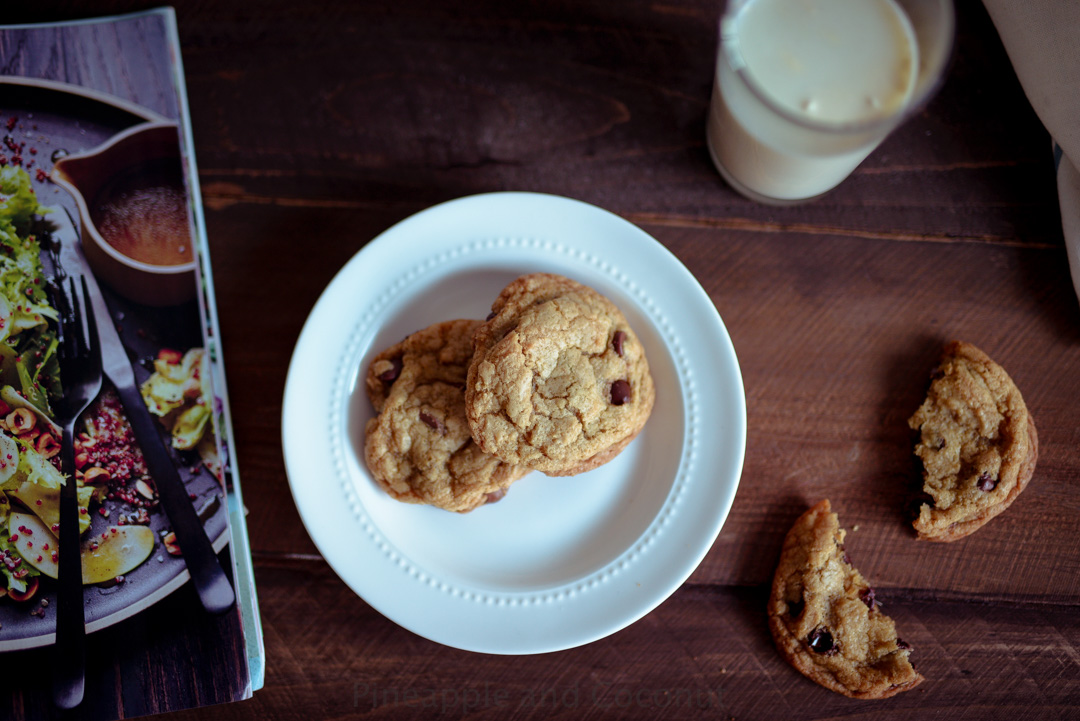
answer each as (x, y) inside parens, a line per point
(806, 89)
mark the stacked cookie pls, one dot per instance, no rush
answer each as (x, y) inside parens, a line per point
(554, 380)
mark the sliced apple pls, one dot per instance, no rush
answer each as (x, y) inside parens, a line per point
(9, 457)
(38, 546)
(48, 510)
(45, 503)
(120, 551)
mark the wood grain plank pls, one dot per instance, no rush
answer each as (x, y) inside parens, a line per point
(704, 652)
(861, 322)
(600, 104)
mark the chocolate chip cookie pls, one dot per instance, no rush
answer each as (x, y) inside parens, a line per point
(558, 382)
(825, 619)
(977, 443)
(419, 448)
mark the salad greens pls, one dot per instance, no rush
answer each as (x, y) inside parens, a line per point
(27, 343)
(179, 393)
(29, 378)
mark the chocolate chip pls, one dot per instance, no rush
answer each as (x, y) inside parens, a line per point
(433, 422)
(903, 645)
(846, 558)
(391, 375)
(941, 444)
(821, 641)
(490, 315)
(495, 496)
(617, 342)
(987, 482)
(620, 392)
(795, 608)
(867, 596)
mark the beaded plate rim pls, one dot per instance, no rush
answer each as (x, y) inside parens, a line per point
(504, 234)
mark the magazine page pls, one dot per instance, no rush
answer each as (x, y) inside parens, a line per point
(125, 579)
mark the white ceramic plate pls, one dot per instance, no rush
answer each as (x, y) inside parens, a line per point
(559, 562)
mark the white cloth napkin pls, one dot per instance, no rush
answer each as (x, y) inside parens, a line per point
(1042, 38)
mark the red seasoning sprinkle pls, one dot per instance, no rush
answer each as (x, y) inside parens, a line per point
(115, 449)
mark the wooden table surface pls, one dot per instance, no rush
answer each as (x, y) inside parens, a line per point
(319, 125)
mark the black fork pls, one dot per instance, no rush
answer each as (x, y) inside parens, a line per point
(80, 373)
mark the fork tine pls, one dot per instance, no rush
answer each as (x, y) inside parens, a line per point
(54, 295)
(78, 322)
(61, 300)
(76, 330)
(93, 346)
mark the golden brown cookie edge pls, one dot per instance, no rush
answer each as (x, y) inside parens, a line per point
(963, 529)
(788, 645)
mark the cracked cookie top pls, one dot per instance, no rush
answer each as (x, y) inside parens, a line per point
(825, 619)
(977, 442)
(558, 382)
(419, 448)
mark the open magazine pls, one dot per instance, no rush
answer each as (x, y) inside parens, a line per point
(105, 289)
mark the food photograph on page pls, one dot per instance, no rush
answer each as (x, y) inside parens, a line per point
(116, 492)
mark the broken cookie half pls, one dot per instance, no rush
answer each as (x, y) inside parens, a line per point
(825, 619)
(977, 442)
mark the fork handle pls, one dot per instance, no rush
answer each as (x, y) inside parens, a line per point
(70, 649)
(215, 591)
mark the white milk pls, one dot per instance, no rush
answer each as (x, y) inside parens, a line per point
(837, 75)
